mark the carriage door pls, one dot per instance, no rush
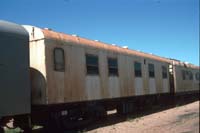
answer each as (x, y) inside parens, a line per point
(165, 81)
(59, 68)
(152, 81)
(139, 88)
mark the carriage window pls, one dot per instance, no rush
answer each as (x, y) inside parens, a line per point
(197, 75)
(92, 64)
(183, 74)
(59, 59)
(187, 75)
(112, 67)
(138, 69)
(164, 72)
(151, 70)
(190, 75)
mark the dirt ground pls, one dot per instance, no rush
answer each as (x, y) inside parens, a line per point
(181, 119)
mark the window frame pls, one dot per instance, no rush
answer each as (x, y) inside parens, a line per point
(164, 72)
(151, 73)
(112, 67)
(190, 74)
(138, 73)
(183, 72)
(56, 63)
(91, 66)
(197, 76)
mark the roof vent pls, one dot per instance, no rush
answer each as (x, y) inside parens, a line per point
(126, 47)
(47, 28)
(186, 62)
(96, 40)
(74, 35)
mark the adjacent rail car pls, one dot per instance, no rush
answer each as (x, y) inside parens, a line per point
(186, 78)
(73, 79)
(14, 70)
(15, 92)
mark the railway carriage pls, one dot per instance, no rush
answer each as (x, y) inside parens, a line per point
(76, 69)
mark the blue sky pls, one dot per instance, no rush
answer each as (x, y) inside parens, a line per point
(168, 28)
